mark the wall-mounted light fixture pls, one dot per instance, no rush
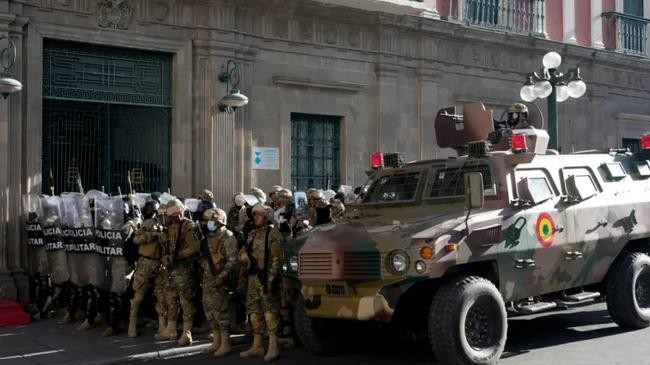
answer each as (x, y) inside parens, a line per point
(8, 85)
(233, 98)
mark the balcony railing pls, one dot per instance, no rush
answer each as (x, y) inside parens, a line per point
(518, 16)
(626, 33)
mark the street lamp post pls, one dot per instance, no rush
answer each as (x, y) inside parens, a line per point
(557, 87)
(8, 85)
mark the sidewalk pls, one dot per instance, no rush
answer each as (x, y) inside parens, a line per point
(46, 342)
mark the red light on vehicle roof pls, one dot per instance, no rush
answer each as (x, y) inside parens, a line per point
(518, 143)
(376, 160)
(644, 141)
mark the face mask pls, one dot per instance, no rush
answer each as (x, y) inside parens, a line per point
(211, 226)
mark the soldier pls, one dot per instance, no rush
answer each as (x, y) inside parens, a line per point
(259, 194)
(56, 256)
(273, 197)
(37, 254)
(337, 209)
(218, 263)
(263, 258)
(181, 245)
(147, 238)
(238, 201)
(284, 212)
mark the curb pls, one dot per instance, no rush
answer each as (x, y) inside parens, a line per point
(162, 354)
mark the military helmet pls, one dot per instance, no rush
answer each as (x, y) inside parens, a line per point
(150, 209)
(263, 209)
(317, 194)
(162, 209)
(239, 200)
(175, 207)
(285, 194)
(206, 195)
(275, 189)
(259, 194)
(518, 108)
(217, 215)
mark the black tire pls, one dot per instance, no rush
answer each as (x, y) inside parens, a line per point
(628, 291)
(467, 322)
(320, 336)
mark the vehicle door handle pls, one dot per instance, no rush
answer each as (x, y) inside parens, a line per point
(573, 255)
(558, 229)
(530, 263)
(520, 263)
(602, 222)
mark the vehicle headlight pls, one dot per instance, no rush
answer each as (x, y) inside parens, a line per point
(293, 263)
(399, 262)
(420, 267)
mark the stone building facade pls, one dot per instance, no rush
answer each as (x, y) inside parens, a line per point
(377, 78)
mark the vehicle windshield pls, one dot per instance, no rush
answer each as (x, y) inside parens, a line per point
(449, 181)
(393, 188)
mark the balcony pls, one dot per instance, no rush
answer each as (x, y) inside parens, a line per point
(424, 8)
(626, 33)
(516, 16)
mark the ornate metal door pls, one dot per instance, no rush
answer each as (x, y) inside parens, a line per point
(315, 155)
(106, 112)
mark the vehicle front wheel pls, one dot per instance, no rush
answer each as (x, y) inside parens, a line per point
(321, 336)
(467, 322)
(628, 291)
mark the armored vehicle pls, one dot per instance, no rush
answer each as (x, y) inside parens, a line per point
(454, 246)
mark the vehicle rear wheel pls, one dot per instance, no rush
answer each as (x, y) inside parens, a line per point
(467, 322)
(628, 291)
(321, 336)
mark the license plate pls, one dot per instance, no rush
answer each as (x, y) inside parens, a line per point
(338, 289)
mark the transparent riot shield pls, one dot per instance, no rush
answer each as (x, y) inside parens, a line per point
(35, 243)
(109, 220)
(51, 222)
(86, 265)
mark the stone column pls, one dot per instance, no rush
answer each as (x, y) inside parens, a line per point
(569, 21)
(597, 24)
(387, 106)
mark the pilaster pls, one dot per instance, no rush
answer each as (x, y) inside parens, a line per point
(569, 21)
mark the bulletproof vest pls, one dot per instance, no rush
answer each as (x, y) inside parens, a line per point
(190, 238)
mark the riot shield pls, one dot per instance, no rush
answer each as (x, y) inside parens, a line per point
(51, 222)
(109, 219)
(301, 205)
(35, 244)
(165, 198)
(86, 266)
(192, 206)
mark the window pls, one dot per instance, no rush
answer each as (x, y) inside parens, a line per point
(581, 187)
(633, 7)
(537, 188)
(315, 144)
(449, 181)
(614, 171)
(643, 168)
(393, 188)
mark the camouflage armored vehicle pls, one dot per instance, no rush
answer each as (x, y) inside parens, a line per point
(453, 246)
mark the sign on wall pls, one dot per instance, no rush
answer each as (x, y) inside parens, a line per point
(266, 158)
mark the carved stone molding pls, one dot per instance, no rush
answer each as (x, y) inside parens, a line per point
(116, 14)
(318, 84)
(160, 10)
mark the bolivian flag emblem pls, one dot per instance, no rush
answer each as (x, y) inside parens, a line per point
(545, 229)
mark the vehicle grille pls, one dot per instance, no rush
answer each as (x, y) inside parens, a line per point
(362, 265)
(316, 264)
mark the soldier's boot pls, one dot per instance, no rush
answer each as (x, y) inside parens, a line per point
(273, 352)
(162, 324)
(115, 304)
(186, 337)
(225, 346)
(272, 324)
(133, 314)
(73, 305)
(257, 350)
(216, 342)
(170, 331)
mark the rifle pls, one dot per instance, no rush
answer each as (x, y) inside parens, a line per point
(205, 252)
(81, 187)
(170, 267)
(128, 179)
(51, 182)
(254, 269)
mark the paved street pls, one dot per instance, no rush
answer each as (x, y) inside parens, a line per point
(578, 336)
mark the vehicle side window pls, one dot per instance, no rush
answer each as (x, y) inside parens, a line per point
(581, 187)
(448, 181)
(534, 186)
(393, 188)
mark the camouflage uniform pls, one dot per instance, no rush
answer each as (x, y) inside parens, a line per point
(181, 241)
(147, 237)
(218, 264)
(263, 293)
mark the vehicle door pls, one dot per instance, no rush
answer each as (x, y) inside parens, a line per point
(542, 229)
(587, 224)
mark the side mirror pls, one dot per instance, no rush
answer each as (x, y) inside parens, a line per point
(474, 190)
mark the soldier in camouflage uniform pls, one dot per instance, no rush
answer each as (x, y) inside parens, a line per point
(181, 245)
(238, 202)
(147, 238)
(218, 263)
(263, 258)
